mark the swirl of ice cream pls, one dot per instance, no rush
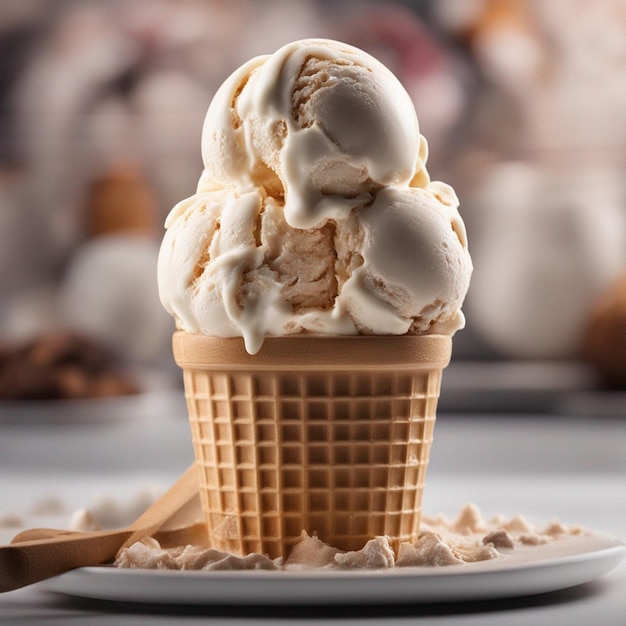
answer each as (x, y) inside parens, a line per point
(314, 212)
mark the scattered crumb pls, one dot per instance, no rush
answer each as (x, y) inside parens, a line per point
(556, 528)
(149, 555)
(106, 511)
(311, 552)
(429, 549)
(82, 519)
(11, 520)
(534, 539)
(469, 521)
(110, 512)
(48, 506)
(438, 549)
(499, 538)
(441, 543)
(375, 554)
(518, 525)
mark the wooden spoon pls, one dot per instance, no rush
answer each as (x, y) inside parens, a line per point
(185, 526)
(28, 562)
(194, 532)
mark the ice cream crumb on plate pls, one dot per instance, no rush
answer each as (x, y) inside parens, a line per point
(441, 543)
(572, 557)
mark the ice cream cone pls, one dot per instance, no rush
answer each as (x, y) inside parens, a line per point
(330, 435)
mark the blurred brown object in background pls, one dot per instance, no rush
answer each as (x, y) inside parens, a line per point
(61, 366)
(605, 339)
(121, 201)
(492, 15)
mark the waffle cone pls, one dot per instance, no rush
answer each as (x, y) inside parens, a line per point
(327, 435)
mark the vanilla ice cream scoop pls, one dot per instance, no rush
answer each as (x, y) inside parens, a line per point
(320, 123)
(314, 212)
(415, 270)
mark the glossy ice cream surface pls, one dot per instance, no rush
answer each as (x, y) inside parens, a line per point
(314, 212)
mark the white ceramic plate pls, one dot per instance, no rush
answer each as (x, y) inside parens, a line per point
(559, 565)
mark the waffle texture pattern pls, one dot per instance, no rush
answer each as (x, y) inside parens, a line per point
(336, 447)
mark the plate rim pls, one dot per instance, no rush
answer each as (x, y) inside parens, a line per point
(411, 584)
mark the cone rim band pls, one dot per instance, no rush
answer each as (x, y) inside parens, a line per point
(195, 350)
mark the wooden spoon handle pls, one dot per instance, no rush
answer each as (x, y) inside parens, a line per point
(193, 532)
(33, 534)
(28, 562)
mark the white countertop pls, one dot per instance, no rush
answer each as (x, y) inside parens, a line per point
(543, 467)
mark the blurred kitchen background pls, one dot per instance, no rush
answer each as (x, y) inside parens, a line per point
(101, 106)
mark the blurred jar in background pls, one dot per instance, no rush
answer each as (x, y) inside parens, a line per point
(542, 174)
(550, 240)
(107, 290)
